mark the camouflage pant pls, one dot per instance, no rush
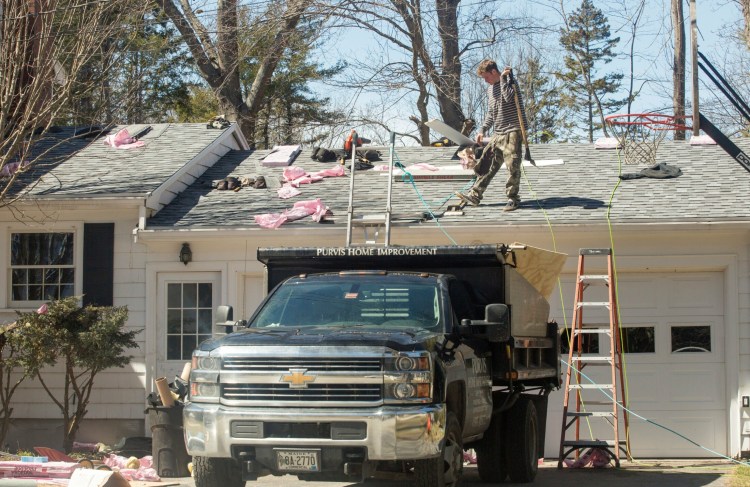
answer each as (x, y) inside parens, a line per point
(504, 148)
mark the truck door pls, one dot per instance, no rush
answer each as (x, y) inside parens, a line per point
(476, 361)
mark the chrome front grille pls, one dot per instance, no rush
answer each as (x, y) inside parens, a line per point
(313, 392)
(312, 364)
(294, 381)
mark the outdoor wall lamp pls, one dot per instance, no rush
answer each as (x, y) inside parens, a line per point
(186, 255)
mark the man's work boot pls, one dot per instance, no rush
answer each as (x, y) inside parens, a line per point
(469, 199)
(511, 206)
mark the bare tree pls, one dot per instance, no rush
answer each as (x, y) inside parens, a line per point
(218, 57)
(429, 60)
(745, 7)
(45, 47)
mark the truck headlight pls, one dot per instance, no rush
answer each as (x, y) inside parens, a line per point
(404, 391)
(204, 378)
(200, 391)
(408, 378)
(202, 361)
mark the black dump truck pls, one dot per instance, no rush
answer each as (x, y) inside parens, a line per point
(362, 360)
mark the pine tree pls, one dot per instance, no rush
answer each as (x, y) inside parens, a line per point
(152, 73)
(588, 42)
(542, 103)
(138, 78)
(290, 110)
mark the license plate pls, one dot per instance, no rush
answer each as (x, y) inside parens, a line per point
(298, 460)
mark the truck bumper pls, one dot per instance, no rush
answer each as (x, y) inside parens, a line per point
(387, 433)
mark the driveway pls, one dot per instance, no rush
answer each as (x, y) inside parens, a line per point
(644, 473)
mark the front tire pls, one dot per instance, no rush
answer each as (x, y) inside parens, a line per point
(217, 472)
(445, 470)
(523, 452)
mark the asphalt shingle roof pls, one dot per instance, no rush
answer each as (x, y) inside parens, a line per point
(713, 187)
(82, 167)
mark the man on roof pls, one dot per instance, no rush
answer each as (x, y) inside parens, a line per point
(505, 114)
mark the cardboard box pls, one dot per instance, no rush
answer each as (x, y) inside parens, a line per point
(97, 478)
(54, 470)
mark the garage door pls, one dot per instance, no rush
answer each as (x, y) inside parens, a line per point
(673, 327)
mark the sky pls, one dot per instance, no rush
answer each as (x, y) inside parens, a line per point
(715, 18)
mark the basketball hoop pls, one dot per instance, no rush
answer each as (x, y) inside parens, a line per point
(640, 134)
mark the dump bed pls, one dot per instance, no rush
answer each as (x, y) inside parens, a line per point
(517, 275)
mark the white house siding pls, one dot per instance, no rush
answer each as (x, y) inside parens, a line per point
(117, 401)
(744, 347)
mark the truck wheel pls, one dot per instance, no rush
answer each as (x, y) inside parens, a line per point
(217, 472)
(523, 452)
(445, 470)
(492, 462)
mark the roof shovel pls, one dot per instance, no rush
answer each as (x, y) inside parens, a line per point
(527, 154)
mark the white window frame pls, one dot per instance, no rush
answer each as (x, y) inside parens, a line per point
(75, 230)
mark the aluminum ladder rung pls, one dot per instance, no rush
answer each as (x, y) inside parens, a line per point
(594, 279)
(593, 303)
(369, 220)
(591, 443)
(592, 359)
(591, 386)
(599, 403)
(595, 414)
(591, 331)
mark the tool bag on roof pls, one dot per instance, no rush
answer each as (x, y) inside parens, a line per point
(322, 154)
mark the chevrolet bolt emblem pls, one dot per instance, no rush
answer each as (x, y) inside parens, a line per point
(297, 378)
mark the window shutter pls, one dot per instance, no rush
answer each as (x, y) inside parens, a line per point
(98, 264)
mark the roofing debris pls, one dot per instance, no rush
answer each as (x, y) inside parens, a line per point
(218, 122)
(123, 140)
(657, 171)
(98, 466)
(301, 209)
(281, 155)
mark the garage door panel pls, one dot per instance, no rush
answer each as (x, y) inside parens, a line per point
(641, 383)
(706, 429)
(700, 294)
(702, 386)
(639, 294)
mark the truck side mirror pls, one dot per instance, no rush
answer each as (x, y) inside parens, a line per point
(497, 313)
(494, 328)
(225, 318)
(224, 313)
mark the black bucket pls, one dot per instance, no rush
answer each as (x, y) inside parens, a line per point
(167, 441)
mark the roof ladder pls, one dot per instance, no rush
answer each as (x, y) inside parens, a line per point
(371, 224)
(583, 353)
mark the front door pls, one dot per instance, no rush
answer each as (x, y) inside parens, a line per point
(185, 317)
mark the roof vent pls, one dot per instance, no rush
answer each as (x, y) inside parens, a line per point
(607, 143)
(702, 140)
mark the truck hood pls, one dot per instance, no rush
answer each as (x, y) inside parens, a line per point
(400, 340)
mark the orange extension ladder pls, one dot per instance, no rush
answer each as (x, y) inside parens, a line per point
(605, 401)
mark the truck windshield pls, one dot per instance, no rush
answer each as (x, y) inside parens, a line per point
(333, 300)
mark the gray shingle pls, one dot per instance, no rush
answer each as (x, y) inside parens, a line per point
(713, 187)
(96, 169)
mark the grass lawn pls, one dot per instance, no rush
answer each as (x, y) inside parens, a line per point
(740, 477)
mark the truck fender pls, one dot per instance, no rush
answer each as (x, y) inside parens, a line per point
(454, 386)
